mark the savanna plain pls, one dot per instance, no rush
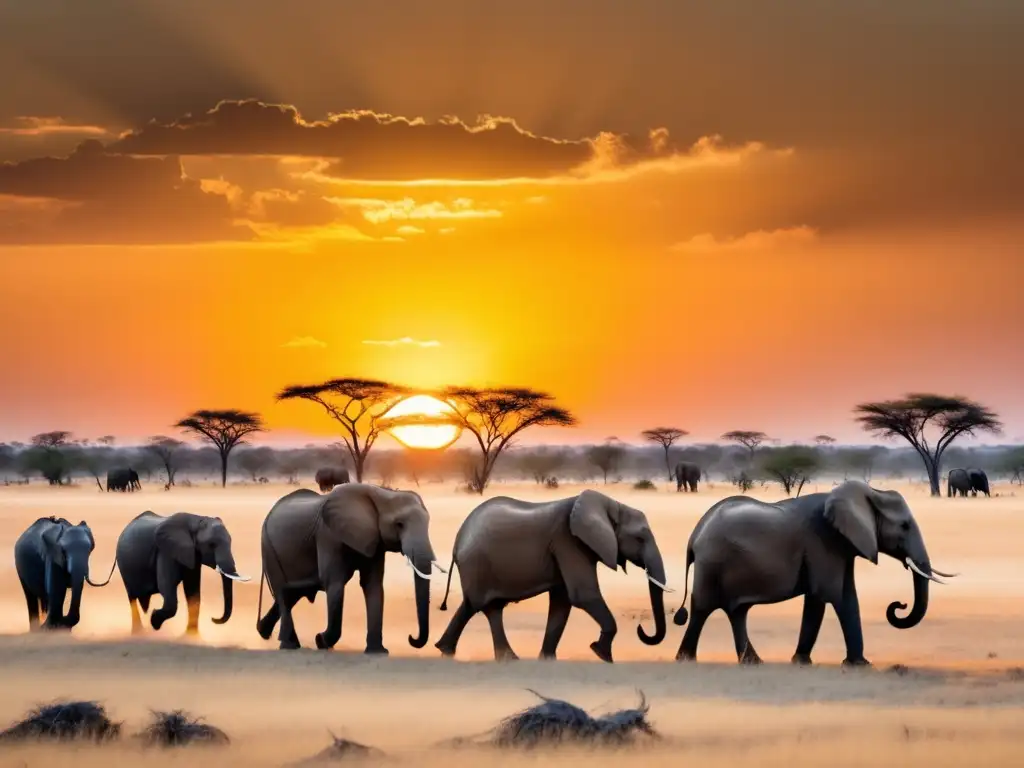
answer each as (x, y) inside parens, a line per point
(947, 692)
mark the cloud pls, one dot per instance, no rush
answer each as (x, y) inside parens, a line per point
(304, 342)
(48, 126)
(405, 341)
(408, 229)
(381, 211)
(760, 240)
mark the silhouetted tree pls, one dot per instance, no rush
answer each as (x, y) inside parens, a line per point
(791, 466)
(357, 405)
(748, 439)
(910, 416)
(607, 457)
(824, 440)
(50, 456)
(169, 451)
(224, 429)
(1012, 463)
(8, 459)
(665, 437)
(494, 416)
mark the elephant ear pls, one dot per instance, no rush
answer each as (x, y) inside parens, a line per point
(590, 521)
(351, 515)
(51, 540)
(848, 508)
(174, 538)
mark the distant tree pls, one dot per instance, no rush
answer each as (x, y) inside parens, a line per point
(290, 464)
(665, 437)
(607, 457)
(357, 405)
(791, 466)
(543, 463)
(8, 459)
(824, 440)
(748, 439)
(911, 416)
(94, 457)
(495, 416)
(49, 454)
(256, 462)
(169, 452)
(1012, 463)
(224, 429)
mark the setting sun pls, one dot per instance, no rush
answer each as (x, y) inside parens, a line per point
(423, 436)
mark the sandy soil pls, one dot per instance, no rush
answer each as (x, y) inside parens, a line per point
(962, 696)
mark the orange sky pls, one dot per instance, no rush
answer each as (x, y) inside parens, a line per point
(682, 217)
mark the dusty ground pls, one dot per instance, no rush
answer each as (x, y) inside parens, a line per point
(961, 699)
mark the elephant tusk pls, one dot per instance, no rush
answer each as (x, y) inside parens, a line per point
(945, 575)
(919, 572)
(658, 584)
(439, 567)
(416, 570)
(232, 576)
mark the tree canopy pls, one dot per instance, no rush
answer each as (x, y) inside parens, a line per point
(224, 428)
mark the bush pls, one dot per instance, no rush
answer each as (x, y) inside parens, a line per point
(644, 485)
(178, 728)
(64, 721)
(551, 482)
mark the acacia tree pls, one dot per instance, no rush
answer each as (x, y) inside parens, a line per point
(911, 416)
(494, 416)
(1013, 465)
(168, 451)
(607, 457)
(224, 429)
(824, 440)
(50, 456)
(749, 439)
(792, 466)
(357, 405)
(665, 437)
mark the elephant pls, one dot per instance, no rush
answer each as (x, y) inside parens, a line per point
(979, 481)
(747, 552)
(123, 479)
(51, 557)
(958, 482)
(509, 550)
(315, 542)
(687, 476)
(156, 553)
(328, 477)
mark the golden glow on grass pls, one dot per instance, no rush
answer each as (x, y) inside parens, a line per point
(422, 436)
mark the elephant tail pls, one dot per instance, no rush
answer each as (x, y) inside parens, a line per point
(110, 575)
(448, 587)
(682, 614)
(259, 606)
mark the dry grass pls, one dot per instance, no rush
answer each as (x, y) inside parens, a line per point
(957, 698)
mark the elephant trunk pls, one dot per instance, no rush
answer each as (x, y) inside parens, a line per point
(226, 567)
(656, 586)
(422, 586)
(79, 571)
(920, 607)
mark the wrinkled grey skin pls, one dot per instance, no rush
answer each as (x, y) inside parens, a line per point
(155, 554)
(746, 552)
(123, 479)
(509, 550)
(958, 482)
(687, 476)
(51, 557)
(315, 543)
(328, 477)
(979, 481)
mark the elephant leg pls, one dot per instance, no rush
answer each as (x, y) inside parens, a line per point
(334, 577)
(450, 639)
(288, 639)
(558, 616)
(810, 625)
(595, 607)
(190, 583)
(136, 618)
(265, 626)
(371, 581)
(56, 591)
(745, 652)
(502, 650)
(688, 647)
(33, 607)
(168, 576)
(848, 612)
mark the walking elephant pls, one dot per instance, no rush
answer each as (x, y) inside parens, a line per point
(51, 557)
(123, 479)
(746, 552)
(687, 476)
(315, 543)
(155, 554)
(509, 550)
(328, 477)
(958, 483)
(979, 481)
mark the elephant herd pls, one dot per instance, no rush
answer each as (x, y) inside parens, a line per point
(960, 482)
(743, 552)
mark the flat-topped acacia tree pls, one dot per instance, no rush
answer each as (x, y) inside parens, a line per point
(665, 437)
(225, 429)
(910, 416)
(357, 405)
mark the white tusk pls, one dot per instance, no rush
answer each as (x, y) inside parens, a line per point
(416, 570)
(232, 576)
(439, 567)
(658, 584)
(945, 575)
(919, 572)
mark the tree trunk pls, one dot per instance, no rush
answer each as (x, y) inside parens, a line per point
(223, 469)
(933, 479)
(668, 464)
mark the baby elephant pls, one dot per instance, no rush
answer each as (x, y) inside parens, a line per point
(51, 557)
(157, 553)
